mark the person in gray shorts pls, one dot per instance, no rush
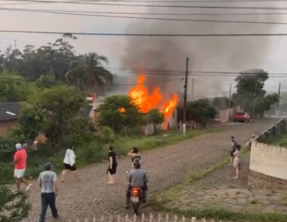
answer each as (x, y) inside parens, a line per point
(47, 181)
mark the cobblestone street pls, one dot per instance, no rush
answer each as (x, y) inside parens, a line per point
(219, 190)
(168, 165)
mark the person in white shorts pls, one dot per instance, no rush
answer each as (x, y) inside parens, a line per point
(20, 157)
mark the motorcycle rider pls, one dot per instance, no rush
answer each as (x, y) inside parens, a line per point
(137, 178)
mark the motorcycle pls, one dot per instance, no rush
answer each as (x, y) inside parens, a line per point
(136, 198)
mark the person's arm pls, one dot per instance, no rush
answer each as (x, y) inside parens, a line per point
(72, 158)
(55, 184)
(16, 158)
(145, 177)
(131, 153)
(40, 181)
(111, 160)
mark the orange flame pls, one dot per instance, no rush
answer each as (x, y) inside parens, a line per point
(122, 110)
(141, 97)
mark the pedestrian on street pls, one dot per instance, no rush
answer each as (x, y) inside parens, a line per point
(112, 169)
(69, 164)
(236, 163)
(48, 184)
(234, 144)
(20, 158)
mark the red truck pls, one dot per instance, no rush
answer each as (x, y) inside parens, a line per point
(241, 117)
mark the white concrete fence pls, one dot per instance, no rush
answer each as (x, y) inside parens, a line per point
(143, 218)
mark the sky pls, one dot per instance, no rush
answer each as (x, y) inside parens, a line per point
(114, 47)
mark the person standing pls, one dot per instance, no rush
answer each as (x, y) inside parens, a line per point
(69, 163)
(20, 157)
(134, 154)
(236, 163)
(48, 184)
(112, 156)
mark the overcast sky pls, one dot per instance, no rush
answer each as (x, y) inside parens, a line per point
(112, 47)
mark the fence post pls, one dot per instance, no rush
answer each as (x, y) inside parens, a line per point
(167, 218)
(193, 219)
(150, 217)
(183, 219)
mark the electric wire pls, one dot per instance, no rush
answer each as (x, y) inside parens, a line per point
(150, 18)
(144, 35)
(162, 6)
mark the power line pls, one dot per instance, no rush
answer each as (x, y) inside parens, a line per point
(90, 13)
(163, 6)
(144, 35)
(149, 18)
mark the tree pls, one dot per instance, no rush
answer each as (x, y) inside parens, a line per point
(201, 111)
(251, 95)
(155, 117)
(46, 81)
(60, 104)
(13, 206)
(13, 88)
(118, 112)
(221, 103)
(32, 121)
(88, 72)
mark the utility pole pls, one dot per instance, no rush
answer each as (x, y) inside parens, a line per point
(192, 89)
(229, 98)
(185, 96)
(15, 44)
(278, 104)
(253, 108)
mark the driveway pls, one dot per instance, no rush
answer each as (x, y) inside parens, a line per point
(168, 165)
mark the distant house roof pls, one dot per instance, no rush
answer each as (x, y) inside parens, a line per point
(9, 111)
(86, 111)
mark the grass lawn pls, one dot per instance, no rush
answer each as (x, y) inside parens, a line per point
(280, 140)
(95, 152)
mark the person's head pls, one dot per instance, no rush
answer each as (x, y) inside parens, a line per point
(18, 146)
(232, 139)
(253, 137)
(48, 166)
(137, 164)
(135, 150)
(111, 148)
(71, 148)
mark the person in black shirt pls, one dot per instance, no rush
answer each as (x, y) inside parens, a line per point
(112, 156)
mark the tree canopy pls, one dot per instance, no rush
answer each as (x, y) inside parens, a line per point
(250, 93)
(59, 62)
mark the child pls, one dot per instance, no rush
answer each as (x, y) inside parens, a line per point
(236, 163)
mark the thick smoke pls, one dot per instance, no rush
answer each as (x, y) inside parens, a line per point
(205, 53)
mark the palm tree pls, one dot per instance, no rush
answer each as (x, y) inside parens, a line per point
(88, 72)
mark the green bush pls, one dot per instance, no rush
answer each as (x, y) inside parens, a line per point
(14, 207)
(80, 130)
(90, 153)
(6, 171)
(106, 135)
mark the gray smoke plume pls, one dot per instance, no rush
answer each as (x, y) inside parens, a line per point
(205, 53)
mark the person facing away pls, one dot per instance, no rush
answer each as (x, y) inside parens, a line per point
(134, 154)
(48, 184)
(20, 158)
(69, 164)
(236, 163)
(234, 146)
(137, 178)
(112, 169)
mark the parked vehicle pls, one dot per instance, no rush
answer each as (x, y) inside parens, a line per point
(241, 117)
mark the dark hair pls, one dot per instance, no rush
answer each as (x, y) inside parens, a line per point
(232, 137)
(135, 150)
(111, 148)
(137, 163)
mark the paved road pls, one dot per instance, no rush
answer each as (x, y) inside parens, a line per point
(169, 165)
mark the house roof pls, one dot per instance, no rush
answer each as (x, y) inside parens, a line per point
(86, 111)
(9, 111)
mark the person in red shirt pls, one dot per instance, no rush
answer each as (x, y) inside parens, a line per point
(20, 157)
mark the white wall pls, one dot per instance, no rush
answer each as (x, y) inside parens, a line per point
(269, 160)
